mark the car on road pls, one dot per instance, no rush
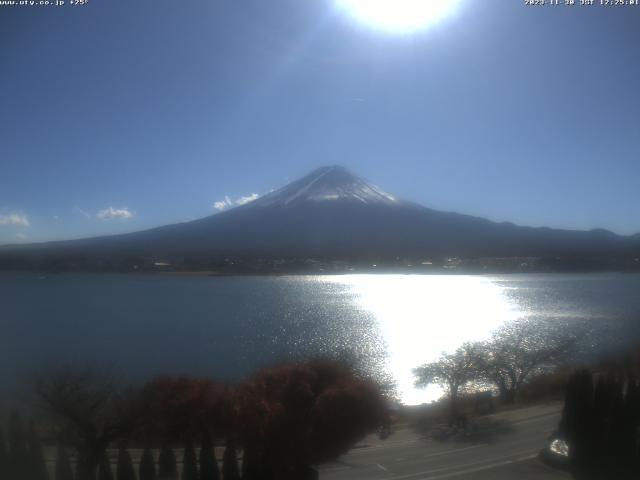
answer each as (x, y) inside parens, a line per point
(556, 451)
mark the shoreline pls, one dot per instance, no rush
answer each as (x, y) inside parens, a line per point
(216, 273)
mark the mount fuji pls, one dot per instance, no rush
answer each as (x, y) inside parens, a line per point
(327, 184)
(330, 214)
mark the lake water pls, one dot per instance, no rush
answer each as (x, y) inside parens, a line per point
(228, 326)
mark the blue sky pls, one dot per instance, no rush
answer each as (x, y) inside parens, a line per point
(121, 115)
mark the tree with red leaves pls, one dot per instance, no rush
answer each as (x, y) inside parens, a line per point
(185, 407)
(301, 415)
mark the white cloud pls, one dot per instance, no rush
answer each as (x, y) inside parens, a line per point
(228, 203)
(247, 199)
(21, 236)
(115, 213)
(14, 219)
(222, 204)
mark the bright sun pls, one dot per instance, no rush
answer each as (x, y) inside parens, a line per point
(398, 15)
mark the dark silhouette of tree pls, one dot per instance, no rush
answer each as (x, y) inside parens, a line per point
(208, 463)
(230, 464)
(4, 456)
(520, 350)
(167, 465)
(63, 465)
(147, 465)
(254, 465)
(19, 461)
(125, 469)
(300, 415)
(182, 407)
(630, 429)
(452, 371)
(189, 463)
(251, 468)
(37, 463)
(601, 424)
(104, 468)
(89, 412)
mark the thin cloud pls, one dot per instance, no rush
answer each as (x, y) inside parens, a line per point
(21, 236)
(14, 219)
(229, 203)
(115, 213)
(80, 211)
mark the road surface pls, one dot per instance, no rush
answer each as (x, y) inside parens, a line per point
(407, 456)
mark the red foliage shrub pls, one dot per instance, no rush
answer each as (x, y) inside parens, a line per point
(309, 413)
(186, 407)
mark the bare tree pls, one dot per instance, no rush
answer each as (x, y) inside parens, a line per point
(89, 411)
(520, 350)
(452, 371)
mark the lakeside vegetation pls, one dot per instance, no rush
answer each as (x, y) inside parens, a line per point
(526, 363)
(284, 420)
(511, 357)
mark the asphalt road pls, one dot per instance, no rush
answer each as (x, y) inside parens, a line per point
(405, 455)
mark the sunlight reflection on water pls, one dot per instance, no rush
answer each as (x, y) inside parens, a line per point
(419, 316)
(227, 327)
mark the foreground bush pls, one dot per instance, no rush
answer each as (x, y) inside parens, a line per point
(89, 411)
(104, 469)
(125, 469)
(299, 415)
(63, 465)
(284, 419)
(230, 464)
(147, 468)
(208, 463)
(37, 465)
(180, 408)
(601, 422)
(167, 465)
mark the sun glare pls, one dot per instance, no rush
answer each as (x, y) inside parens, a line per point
(402, 16)
(419, 316)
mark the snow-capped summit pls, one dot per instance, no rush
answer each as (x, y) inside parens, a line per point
(327, 184)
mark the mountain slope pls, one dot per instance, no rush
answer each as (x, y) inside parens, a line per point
(333, 214)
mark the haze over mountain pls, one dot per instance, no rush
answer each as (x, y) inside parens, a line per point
(333, 214)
